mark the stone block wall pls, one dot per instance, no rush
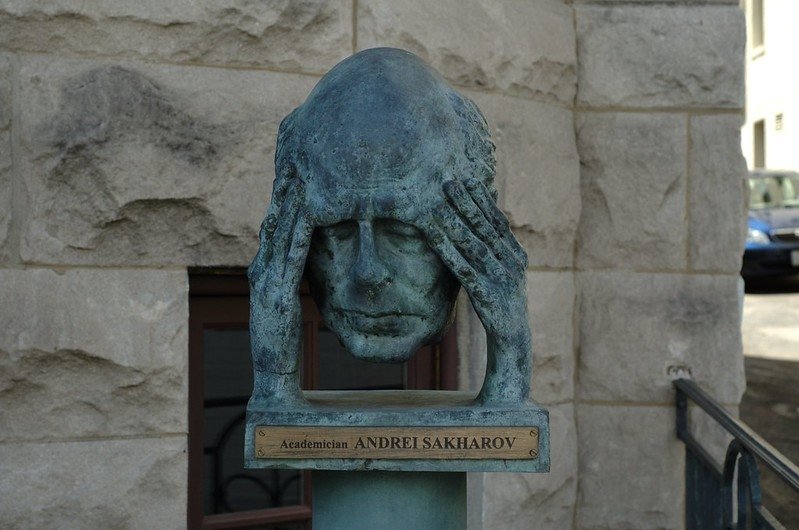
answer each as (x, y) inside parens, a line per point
(136, 140)
(657, 117)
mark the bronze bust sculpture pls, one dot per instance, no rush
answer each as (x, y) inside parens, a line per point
(384, 200)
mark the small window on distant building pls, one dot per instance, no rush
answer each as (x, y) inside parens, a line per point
(757, 23)
(760, 144)
(778, 121)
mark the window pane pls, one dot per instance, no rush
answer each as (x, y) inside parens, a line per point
(757, 23)
(338, 370)
(760, 144)
(228, 384)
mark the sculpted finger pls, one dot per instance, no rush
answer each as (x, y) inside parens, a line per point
(483, 198)
(290, 307)
(298, 253)
(518, 249)
(283, 233)
(456, 263)
(281, 187)
(468, 244)
(269, 225)
(468, 208)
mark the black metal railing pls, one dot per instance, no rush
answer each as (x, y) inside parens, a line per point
(727, 497)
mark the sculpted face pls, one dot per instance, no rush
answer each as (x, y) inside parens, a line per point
(375, 141)
(379, 286)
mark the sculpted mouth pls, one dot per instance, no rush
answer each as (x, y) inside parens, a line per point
(375, 314)
(391, 323)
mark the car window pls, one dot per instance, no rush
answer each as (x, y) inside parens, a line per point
(773, 191)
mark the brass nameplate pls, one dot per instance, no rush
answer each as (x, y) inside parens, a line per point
(439, 443)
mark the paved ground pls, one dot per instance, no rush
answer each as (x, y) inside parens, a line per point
(771, 319)
(771, 403)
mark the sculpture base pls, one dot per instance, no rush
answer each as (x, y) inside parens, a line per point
(399, 431)
(389, 501)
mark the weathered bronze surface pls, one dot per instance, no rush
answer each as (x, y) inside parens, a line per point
(384, 201)
(441, 443)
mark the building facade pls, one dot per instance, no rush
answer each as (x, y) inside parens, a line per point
(136, 145)
(771, 130)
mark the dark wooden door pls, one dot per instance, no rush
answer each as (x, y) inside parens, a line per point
(222, 494)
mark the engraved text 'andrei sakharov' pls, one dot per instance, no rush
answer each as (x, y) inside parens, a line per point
(443, 443)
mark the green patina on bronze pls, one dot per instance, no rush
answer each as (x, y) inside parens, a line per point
(384, 200)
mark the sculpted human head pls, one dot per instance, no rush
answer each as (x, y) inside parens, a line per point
(373, 144)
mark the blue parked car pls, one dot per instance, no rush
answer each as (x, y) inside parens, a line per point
(772, 241)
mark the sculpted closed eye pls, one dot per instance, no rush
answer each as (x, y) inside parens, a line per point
(343, 230)
(396, 228)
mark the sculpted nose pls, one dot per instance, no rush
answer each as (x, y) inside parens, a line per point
(369, 270)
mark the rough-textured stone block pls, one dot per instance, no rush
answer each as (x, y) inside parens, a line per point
(654, 2)
(531, 50)
(144, 164)
(550, 301)
(307, 35)
(633, 190)
(538, 174)
(637, 331)
(92, 353)
(139, 483)
(660, 56)
(5, 153)
(541, 501)
(717, 195)
(631, 469)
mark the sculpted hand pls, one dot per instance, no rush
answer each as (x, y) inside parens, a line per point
(275, 310)
(473, 238)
